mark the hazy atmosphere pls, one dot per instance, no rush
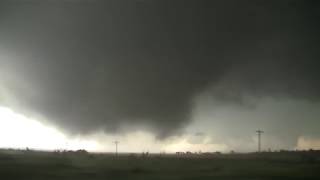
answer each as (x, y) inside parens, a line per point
(159, 75)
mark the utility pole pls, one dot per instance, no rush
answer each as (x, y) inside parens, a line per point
(116, 143)
(259, 132)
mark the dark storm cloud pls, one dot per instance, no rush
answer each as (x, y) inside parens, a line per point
(88, 65)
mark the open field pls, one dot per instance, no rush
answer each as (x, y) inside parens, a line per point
(73, 166)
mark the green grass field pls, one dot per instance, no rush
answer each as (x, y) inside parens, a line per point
(44, 165)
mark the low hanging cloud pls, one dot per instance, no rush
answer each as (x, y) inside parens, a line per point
(88, 66)
(306, 143)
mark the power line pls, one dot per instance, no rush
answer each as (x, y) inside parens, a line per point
(259, 132)
(116, 143)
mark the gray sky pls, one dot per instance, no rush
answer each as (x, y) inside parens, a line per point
(217, 68)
